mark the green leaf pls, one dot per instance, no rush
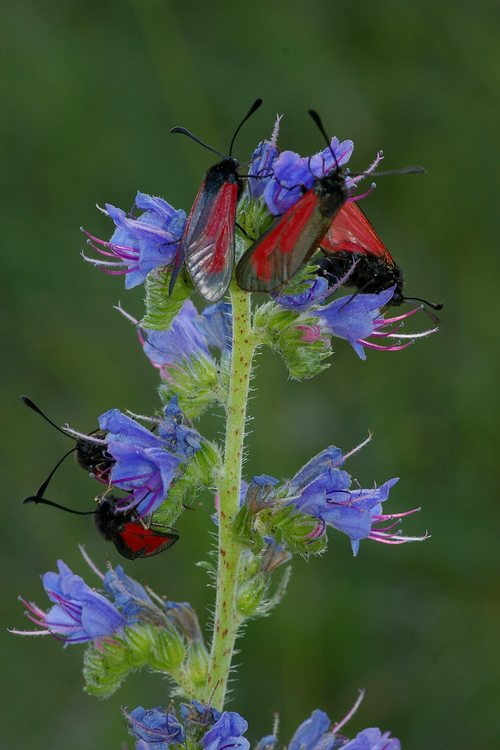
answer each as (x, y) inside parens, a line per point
(161, 308)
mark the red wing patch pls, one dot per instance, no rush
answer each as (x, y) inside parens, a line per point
(289, 241)
(209, 240)
(352, 232)
(135, 541)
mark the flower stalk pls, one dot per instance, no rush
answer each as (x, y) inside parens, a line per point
(226, 619)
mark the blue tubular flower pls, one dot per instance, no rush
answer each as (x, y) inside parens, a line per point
(355, 318)
(322, 490)
(143, 466)
(227, 732)
(182, 341)
(182, 440)
(261, 163)
(313, 734)
(79, 613)
(140, 244)
(294, 173)
(157, 728)
(215, 323)
(373, 739)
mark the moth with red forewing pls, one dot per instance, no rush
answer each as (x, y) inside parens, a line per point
(207, 245)
(131, 536)
(295, 235)
(355, 252)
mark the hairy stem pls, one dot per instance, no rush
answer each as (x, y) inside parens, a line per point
(227, 620)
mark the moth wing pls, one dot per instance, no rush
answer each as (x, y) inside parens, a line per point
(352, 232)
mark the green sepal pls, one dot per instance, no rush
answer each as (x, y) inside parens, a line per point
(283, 331)
(195, 383)
(168, 651)
(105, 668)
(139, 640)
(254, 218)
(196, 664)
(267, 605)
(161, 308)
(292, 529)
(198, 472)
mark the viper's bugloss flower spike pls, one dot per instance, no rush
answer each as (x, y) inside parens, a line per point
(79, 615)
(293, 173)
(324, 491)
(227, 732)
(139, 244)
(157, 728)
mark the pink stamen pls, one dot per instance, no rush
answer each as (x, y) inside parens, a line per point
(349, 714)
(394, 348)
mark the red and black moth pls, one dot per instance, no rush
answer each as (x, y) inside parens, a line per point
(294, 236)
(132, 537)
(207, 244)
(355, 252)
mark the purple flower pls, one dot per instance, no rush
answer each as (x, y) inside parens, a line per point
(181, 440)
(313, 734)
(227, 732)
(317, 733)
(355, 318)
(322, 490)
(261, 163)
(140, 244)
(293, 174)
(196, 715)
(79, 614)
(143, 466)
(373, 739)
(191, 336)
(157, 728)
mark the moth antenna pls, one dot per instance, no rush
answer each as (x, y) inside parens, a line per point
(434, 305)
(255, 106)
(42, 501)
(184, 131)
(40, 491)
(402, 170)
(317, 120)
(37, 409)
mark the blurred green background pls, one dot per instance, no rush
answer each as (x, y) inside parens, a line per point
(88, 92)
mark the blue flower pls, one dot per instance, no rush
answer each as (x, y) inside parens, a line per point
(191, 336)
(157, 728)
(373, 739)
(144, 465)
(227, 732)
(293, 174)
(322, 490)
(181, 440)
(313, 734)
(261, 163)
(317, 733)
(79, 614)
(198, 715)
(355, 317)
(140, 244)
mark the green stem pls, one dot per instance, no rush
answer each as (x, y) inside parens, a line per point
(227, 620)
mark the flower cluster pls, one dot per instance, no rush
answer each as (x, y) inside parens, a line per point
(139, 244)
(204, 359)
(156, 729)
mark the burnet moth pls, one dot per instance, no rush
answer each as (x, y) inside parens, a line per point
(355, 252)
(132, 537)
(295, 235)
(207, 244)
